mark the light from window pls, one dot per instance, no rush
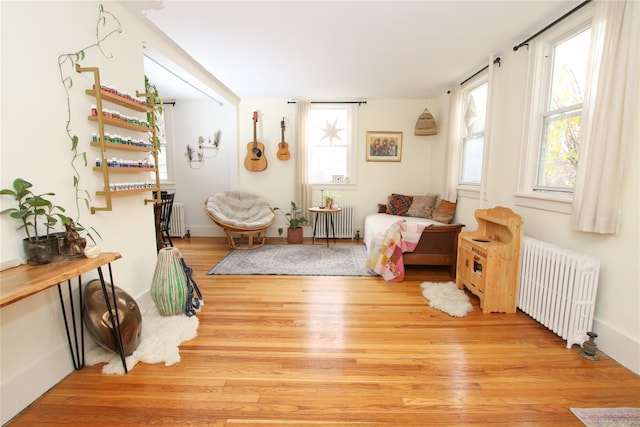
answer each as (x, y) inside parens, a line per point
(474, 118)
(330, 141)
(162, 153)
(562, 118)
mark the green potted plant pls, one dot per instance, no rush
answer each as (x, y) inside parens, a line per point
(295, 220)
(38, 217)
(329, 198)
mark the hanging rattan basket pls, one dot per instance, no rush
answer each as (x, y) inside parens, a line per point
(426, 124)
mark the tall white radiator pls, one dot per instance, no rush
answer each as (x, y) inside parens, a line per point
(342, 222)
(558, 288)
(177, 227)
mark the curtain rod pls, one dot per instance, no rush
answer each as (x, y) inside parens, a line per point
(186, 82)
(495, 61)
(332, 102)
(526, 42)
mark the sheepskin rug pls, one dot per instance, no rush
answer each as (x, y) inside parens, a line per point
(159, 342)
(447, 297)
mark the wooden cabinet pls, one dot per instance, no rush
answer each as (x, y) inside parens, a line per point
(489, 257)
(137, 141)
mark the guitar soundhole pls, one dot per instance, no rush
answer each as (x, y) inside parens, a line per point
(257, 152)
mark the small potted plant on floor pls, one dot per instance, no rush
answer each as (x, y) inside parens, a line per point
(295, 220)
(38, 217)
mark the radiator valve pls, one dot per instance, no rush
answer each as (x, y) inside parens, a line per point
(589, 347)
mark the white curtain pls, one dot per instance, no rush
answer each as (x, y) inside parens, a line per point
(494, 64)
(302, 165)
(453, 146)
(610, 115)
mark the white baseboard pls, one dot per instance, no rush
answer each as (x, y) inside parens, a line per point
(621, 348)
(27, 386)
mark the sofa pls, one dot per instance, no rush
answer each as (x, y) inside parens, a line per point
(438, 244)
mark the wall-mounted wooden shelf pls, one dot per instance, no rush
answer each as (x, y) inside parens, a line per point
(119, 100)
(124, 169)
(117, 146)
(101, 119)
(120, 124)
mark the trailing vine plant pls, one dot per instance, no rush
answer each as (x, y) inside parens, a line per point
(154, 102)
(107, 25)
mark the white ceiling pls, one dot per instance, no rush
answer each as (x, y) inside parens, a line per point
(339, 49)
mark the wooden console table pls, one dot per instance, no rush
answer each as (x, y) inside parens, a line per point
(23, 281)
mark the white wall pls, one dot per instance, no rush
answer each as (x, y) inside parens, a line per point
(219, 170)
(33, 145)
(617, 314)
(418, 173)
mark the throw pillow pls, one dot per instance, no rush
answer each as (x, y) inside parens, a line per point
(444, 212)
(422, 206)
(398, 204)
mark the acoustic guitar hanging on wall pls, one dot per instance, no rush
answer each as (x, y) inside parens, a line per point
(283, 147)
(255, 160)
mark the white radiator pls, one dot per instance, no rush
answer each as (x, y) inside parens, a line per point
(342, 222)
(177, 227)
(558, 288)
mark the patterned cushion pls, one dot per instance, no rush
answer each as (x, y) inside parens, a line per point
(422, 206)
(444, 212)
(398, 204)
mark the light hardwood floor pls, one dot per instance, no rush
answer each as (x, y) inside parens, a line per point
(296, 351)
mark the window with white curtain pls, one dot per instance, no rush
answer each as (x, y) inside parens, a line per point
(164, 165)
(551, 143)
(565, 69)
(473, 123)
(331, 141)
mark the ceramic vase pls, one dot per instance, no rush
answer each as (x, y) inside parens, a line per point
(169, 283)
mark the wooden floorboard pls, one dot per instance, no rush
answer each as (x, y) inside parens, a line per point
(356, 351)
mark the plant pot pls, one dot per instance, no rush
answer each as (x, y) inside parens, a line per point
(44, 250)
(294, 235)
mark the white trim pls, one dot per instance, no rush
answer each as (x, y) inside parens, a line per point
(535, 98)
(554, 202)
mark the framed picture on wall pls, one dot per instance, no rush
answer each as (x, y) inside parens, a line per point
(384, 146)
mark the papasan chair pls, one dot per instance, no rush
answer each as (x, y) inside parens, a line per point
(244, 217)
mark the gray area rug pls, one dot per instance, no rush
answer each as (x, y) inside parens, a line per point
(608, 417)
(296, 260)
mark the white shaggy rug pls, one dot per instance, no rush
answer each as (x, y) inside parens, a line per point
(447, 297)
(159, 342)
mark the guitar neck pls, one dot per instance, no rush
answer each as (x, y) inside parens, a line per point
(255, 122)
(282, 127)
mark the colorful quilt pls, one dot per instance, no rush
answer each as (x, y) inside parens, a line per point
(385, 258)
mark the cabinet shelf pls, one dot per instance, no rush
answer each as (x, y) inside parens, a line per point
(118, 146)
(119, 100)
(120, 124)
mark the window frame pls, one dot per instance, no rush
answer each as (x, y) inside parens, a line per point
(538, 86)
(349, 178)
(468, 187)
(166, 148)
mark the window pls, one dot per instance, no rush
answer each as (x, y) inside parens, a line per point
(561, 118)
(474, 107)
(558, 65)
(164, 168)
(331, 128)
